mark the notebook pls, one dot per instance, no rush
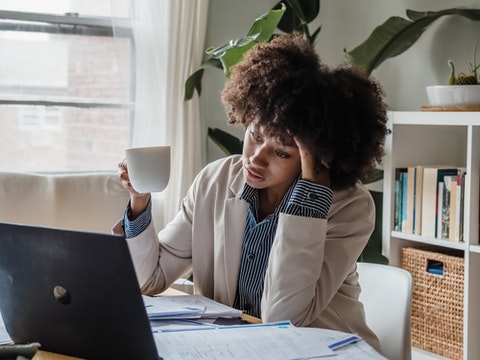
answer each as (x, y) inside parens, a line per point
(76, 293)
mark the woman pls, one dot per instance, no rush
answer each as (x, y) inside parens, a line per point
(276, 232)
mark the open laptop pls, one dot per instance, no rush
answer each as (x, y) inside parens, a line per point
(74, 292)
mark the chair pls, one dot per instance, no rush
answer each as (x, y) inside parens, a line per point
(387, 297)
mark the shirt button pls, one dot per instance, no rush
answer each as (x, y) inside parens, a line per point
(250, 257)
(311, 196)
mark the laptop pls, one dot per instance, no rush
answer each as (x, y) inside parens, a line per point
(76, 293)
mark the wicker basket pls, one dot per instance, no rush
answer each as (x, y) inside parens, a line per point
(437, 304)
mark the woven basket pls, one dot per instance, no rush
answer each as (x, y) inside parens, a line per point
(437, 304)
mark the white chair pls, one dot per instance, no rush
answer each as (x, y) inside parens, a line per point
(387, 297)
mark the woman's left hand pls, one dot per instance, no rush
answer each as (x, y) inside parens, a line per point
(308, 166)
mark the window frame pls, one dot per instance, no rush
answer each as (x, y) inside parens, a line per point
(71, 24)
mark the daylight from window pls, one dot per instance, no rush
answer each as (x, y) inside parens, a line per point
(65, 87)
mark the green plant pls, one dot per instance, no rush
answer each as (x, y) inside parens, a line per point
(470, 78)
(396, 35)
(294, 15)
(287, 16)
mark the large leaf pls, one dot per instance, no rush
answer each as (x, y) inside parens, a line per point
(261, 31)
(225, 141)
(225, 56)
(297, 15)
(194, 81)
(396, 35)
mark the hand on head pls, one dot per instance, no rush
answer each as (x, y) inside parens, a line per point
(309, 172)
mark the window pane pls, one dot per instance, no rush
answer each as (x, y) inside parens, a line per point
(54, 139)
(65, 91)
(65, 67)
(115, 8)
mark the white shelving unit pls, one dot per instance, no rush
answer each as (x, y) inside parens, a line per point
(435, 138)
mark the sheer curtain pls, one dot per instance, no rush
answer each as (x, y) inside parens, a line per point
(169, 37)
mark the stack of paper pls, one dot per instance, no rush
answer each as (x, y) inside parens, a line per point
(186, 307)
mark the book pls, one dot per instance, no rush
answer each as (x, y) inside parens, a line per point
(414, 199)
(403, 217)
(399, 212)
(444, 206)
(432, 176)
(410, 200)
(459, 232)
(417, 207)
(456, 207)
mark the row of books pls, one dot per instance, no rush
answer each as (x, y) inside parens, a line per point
(429, 201)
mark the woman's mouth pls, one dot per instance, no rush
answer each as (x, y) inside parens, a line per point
(252, 175)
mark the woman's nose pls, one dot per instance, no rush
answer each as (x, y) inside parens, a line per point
(259, 156)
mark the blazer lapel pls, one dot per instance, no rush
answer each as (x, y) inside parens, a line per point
(234, 222)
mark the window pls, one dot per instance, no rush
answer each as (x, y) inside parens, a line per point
(66, 84)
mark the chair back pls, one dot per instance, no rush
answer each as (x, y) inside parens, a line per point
(387, 298)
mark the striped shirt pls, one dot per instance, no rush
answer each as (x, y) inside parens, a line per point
(303, 198)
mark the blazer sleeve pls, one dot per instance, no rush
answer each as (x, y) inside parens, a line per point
(160, 259)
(311, 258)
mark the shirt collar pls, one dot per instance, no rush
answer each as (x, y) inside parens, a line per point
(250, 195)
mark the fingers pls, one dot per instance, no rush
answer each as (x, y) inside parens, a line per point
(123, 176)
(122, 165)
(309, 172)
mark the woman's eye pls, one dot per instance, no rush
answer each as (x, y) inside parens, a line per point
(282, 154)
(256, 137)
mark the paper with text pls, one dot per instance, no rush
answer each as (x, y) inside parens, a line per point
(194, 306)
(259, 342)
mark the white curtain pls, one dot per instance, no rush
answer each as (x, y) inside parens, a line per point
(169, 37)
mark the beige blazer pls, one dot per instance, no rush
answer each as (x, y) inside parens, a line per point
(311, 277)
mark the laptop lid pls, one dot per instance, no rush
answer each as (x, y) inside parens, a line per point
(74, 292)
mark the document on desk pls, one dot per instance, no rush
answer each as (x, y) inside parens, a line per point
(271, 341)
(4, 336)
(186, 306)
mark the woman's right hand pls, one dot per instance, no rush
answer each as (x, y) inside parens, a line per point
(124, 178)
(138, 201)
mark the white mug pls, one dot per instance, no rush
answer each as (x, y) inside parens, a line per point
(148, 168)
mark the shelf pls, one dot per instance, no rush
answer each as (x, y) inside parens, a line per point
(431, 241)
(447, 118)
(439, 138)
(419, 354)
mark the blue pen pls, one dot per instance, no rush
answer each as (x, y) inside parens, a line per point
(339, 344)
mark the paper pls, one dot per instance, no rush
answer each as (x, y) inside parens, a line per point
(181, 325)
(247, 342)
(4, 336)
(260, 341)
(186, 306)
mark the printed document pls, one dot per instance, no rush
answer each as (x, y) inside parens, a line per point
(186, 306)
(260, 341)
(4, 337)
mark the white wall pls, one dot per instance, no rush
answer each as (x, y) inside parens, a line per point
(346, 24)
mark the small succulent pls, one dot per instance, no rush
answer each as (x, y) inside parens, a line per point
(470, 78)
